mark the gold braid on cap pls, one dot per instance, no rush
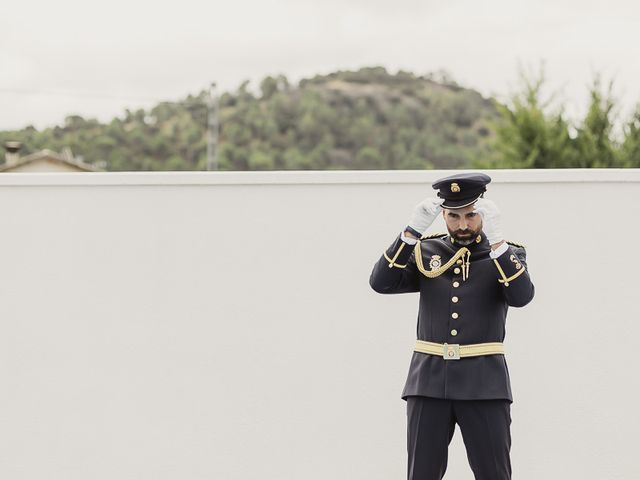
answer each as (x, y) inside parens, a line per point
(436, 272)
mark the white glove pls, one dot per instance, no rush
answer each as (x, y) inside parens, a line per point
(425, 213)
(491, 225)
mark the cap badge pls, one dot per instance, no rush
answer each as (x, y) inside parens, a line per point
(435, 262)
(455, 188)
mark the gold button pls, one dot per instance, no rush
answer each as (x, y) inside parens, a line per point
(456, 284)
(459, 262)
(456, 270)
(454, 332)
(454, 299)
(506, 284)
(454, 315)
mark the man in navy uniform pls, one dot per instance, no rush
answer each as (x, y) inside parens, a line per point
(467, 281)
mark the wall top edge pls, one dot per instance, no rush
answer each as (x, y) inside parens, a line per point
(569, 175)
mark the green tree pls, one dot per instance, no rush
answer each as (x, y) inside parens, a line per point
(630, 150)
(528, 135)
(594, 145)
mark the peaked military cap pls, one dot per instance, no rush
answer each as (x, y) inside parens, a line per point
(461, 189)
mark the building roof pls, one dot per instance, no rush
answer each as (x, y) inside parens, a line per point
(65, 158)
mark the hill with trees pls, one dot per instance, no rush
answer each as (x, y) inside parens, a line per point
(365, 119)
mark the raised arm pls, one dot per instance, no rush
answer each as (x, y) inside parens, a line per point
(511, 267)
(396, 271)
(510, 261)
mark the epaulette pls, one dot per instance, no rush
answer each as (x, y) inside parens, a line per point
(515, 244)
(433, 235)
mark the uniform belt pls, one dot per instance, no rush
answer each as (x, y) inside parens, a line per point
(455, 351)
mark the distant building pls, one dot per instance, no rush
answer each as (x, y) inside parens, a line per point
(43, 161)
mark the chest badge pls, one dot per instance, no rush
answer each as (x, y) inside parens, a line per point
(435, 262)
(515, 260)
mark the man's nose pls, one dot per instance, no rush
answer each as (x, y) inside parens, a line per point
(463, 224)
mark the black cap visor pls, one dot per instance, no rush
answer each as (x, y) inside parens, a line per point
(460, 202)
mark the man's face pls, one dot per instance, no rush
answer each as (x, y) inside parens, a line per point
(464, 224)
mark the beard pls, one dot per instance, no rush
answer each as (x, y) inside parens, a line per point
(464, 237)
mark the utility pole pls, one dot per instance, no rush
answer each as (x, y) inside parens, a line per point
(212, 129)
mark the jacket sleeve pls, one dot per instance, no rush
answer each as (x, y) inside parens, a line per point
(396, 271)
(513, 274)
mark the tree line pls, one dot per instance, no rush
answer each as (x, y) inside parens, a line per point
(364, 119)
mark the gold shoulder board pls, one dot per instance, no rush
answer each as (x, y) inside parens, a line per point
(433, 235)
(515, 244)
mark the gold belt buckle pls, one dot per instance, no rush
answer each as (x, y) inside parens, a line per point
(451, 351)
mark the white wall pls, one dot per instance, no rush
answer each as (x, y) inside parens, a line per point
(221, 326)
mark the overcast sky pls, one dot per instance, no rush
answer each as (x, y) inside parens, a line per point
(97, 58)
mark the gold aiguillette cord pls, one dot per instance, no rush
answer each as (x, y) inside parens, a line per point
(463, 253)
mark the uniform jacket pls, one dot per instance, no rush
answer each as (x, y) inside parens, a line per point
(453, 309)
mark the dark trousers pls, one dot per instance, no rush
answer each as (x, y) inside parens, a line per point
(485, 427)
